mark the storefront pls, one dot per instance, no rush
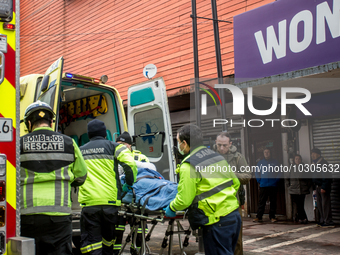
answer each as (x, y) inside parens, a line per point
(288, 53)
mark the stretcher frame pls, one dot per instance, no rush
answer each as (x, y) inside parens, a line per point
(142, 216)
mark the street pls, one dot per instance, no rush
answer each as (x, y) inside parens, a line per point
(265, 238)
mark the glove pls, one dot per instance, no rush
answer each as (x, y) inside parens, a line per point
(169, 213)
(126, 187)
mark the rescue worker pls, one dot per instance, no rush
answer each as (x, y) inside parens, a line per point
(100, 196)
(141, 161)
(208, 187)
(236, 160)
(125, 139)
(50, 164)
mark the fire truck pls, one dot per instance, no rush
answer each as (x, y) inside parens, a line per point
(10, 241)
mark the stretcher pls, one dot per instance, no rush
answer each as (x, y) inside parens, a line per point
(140, 217)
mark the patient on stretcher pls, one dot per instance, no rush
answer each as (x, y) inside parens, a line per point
(151, 189)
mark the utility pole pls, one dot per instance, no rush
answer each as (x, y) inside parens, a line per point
(218, 59)
(196, 66)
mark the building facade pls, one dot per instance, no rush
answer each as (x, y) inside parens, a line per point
(291, 45)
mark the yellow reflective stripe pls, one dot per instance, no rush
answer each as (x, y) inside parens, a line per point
(108, 243)
(139, 231)
(117, 246)
(8, 90)
(120, 227)
(91, 247)
(11, 185)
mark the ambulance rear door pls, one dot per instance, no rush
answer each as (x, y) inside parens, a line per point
(149, 125)
(50, 87)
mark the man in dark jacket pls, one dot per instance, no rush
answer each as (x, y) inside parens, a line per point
(225, 147)
(268, 181)
(100, 196)
(323, 191)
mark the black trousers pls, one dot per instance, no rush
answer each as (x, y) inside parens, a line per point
(266, 192)
(52, 234)
(221, 237)
(120, 228)
(97, 226)
(299, 200)
(324, 206)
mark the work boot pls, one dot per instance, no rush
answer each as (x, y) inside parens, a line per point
(273, 220)
(257, 220)
(328, 225)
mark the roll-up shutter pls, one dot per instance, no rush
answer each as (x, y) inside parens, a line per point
(326, 137)
(208, 129)
(177, 126)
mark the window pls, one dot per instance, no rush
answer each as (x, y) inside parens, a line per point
(149, 122)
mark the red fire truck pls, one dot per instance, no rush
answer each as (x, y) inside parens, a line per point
(9, 132)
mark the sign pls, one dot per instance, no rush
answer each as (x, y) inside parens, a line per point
(286, 35)
(149, 71)
(6, 130)
(3, 43)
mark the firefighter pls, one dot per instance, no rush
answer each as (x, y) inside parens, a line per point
(50, 164)
(208, 187)
(100, 196)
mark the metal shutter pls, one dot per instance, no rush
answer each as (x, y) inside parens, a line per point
(208, 129)
(326, 137)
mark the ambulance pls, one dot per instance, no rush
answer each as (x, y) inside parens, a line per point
(78, 99)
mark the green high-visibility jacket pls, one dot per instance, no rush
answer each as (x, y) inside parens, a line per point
(102, 186)
(49, 164)
(206, 179)
(138, 156)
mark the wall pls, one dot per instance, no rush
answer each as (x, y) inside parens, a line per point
(118, 38)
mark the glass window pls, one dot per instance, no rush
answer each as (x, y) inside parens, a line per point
(149, 122)
(48, 96)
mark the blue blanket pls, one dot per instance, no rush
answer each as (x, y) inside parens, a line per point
(160, 191)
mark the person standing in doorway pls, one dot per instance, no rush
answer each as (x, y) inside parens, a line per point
(298, 187)
(323, 190)
(268, 181)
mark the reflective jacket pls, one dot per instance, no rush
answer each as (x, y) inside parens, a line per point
(102, 186)
(138, 156)
(49, 164)
(207, 183)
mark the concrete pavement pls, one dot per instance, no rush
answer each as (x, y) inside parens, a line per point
(289, 238)
(266, 238)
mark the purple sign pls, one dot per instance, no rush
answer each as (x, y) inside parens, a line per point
(286, 35)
